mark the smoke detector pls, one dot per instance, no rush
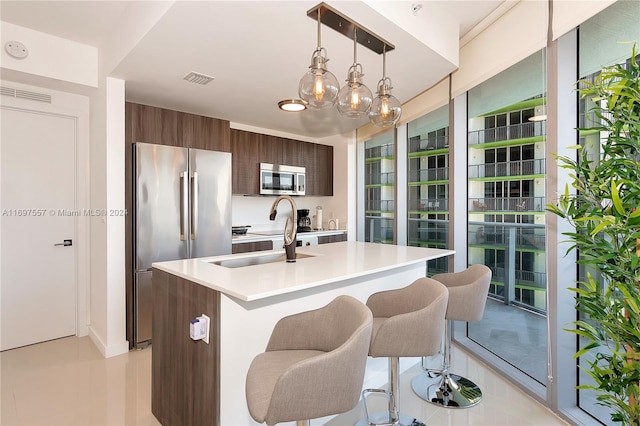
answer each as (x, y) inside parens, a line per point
(15, 49)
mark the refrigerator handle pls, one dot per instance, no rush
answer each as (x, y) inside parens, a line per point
(194, 205)
(183, 204)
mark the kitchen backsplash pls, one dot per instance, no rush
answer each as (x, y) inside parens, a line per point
(254, 211)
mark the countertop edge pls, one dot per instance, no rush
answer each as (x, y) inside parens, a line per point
(197, 270)
(250, 237)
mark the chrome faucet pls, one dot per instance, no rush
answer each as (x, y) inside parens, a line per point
(289, 235)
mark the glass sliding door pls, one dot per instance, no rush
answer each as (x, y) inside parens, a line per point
(506, 224)
(379, 175)
(604, 40)
(428, 184)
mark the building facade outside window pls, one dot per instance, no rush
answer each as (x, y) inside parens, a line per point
(428, 184)
(506, 174)
(506, 198)
(379, 175)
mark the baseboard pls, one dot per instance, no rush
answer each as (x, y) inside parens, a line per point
(108, 351)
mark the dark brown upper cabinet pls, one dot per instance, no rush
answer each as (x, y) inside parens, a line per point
(196, 131)
(249, 149)
(166, 127)
(246, 152)
(152, 125)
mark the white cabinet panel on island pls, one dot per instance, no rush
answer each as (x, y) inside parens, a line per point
(245, 302)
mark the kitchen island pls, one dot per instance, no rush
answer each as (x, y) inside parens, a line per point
(245, 295)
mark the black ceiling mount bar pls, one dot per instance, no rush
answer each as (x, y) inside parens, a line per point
(345, 26)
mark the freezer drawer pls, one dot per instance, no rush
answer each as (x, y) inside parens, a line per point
(143, 308)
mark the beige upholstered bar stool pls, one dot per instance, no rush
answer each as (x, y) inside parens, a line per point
(313, 365)
(407, 322)
(467, 298)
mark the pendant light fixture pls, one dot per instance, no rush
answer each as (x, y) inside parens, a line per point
(385, 109)
(354, 99)
(319, 87)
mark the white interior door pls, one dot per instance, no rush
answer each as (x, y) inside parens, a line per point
(38, 201)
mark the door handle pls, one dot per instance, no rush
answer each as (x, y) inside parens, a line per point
(194, 205)
(183, 204)
(65, 243)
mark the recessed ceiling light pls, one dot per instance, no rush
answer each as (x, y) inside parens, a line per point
(292, 105)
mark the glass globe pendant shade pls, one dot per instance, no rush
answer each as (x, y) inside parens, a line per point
(385, 108)
(318, 86)
(354, 99)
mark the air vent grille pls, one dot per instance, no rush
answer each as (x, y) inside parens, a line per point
(25, 94)
(197, 78)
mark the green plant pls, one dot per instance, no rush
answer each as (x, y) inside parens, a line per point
(605, 211)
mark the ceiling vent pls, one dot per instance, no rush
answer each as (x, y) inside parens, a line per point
(197, 78)
(25, 94)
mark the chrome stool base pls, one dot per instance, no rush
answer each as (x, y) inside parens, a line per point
(382, 419)
(450, 390)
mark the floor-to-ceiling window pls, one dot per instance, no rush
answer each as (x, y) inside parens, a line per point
(508, 183)
(428, 184)
(506, 198)
(604, 40)
(379, 175)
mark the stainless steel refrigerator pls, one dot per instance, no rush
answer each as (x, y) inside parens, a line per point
(182, 210)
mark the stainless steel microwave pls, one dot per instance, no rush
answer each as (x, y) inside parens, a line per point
(278, 179)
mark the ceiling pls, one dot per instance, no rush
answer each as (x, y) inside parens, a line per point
(257, 51)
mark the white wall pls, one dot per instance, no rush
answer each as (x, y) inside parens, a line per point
(51, 57)
(74, 69)
(62, 64)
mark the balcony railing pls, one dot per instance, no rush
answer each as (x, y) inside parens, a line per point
(434, 231)
(509, 238)
(380, 205)
(507, 204)
(491, 234)
(439, 142)
(429, 204)
(381, 179)
(426, 175)
(510, 168)
(379, 229)
(379, 151)
(505, 133)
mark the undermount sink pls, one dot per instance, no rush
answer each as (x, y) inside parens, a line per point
(257, 260)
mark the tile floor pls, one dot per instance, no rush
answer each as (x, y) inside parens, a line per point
(67, 382)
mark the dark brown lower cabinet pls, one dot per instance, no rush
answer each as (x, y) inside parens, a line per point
(249, 247)
(185, 376)
(324, 239)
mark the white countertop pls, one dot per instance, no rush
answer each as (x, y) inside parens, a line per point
(254, 236)
(329, 263)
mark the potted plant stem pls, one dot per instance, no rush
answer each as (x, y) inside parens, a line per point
(605, 211)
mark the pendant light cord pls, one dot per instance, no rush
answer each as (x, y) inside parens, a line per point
(384, 61)
(355, 44)
(319, 37)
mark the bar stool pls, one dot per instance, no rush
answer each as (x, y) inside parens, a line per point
(313, 365)
(467, 298)
(407, 322)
